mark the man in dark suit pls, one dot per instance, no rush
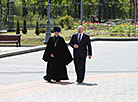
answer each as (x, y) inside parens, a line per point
(81, 45)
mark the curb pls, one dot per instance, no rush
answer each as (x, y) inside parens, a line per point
(114, 39)
(42, 47)
(19, 52)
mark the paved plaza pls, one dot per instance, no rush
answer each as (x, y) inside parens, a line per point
(111, 76)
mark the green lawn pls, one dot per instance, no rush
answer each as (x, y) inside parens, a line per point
(32, 39)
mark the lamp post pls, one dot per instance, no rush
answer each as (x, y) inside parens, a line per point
(81, 12)
(48, 32)
(135, 17)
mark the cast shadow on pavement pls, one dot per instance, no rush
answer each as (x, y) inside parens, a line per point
(64, 83)
(88, 84)
(61, 83)
(68, 83)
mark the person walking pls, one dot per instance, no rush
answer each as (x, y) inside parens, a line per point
(80, 43)
(57, 56)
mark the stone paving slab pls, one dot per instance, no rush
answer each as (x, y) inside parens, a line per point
(111, 76)
(108, 57)
(116, 87)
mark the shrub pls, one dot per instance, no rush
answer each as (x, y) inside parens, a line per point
(52, 30)
(37, 28)
(40, 19)
(42, 30)
(61, 22)
(24, 26)
(120, 29)
(67, 21)
(17, 27)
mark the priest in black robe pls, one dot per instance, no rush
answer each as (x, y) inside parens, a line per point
(57, 56)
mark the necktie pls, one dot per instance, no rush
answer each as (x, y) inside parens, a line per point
(79, 38)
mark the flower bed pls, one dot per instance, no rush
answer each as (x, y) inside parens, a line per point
(126, 29)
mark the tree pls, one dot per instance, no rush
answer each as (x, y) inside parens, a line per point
(17, 27)
(37, 28)
(24, 26)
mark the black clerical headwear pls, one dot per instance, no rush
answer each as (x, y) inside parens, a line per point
(57, 29)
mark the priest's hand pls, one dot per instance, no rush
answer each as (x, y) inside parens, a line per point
(76, 46)
(90, 57)
(52, 55)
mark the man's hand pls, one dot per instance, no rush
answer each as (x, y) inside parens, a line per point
(52, 55)
(76, 46)
(90, 57)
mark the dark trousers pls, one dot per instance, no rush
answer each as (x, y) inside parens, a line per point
(80, 68)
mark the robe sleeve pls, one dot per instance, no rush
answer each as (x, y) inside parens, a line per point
(47, 51)
(67, 55)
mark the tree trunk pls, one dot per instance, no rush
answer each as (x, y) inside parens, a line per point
(109, 10)
(34, 8)
(100, 9)
(0, 9)
(88, 10)
(75, 9)
(7, 6)
(114, 11)
(79, 7)
(106, 9)
(24, 8)
(130, 9)
(109, 14)
(68, 11)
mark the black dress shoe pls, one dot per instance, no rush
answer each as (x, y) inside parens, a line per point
(57, 80)
(80, 82)
(45, 78)
(49, 81)
(77, 80)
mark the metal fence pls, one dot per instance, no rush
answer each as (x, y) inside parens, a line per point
(8, 16)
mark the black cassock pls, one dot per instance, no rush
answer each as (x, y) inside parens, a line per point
(56, 67)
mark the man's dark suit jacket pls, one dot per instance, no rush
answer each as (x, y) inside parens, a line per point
(84, 45)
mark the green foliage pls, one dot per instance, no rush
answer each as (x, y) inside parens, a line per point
(40, 19)
(113, 29)
(17, 27)
(24, 31)
(42, 30)
(67, 21)
(126, 29)
(37, 28)
(52, 30)
(61, 22)
(120, 29)
(129, 30)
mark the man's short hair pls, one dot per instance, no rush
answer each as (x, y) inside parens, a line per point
(81, 27)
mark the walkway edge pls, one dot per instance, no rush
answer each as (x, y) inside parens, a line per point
(114, 39)
(23, 51)
(42, 47)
